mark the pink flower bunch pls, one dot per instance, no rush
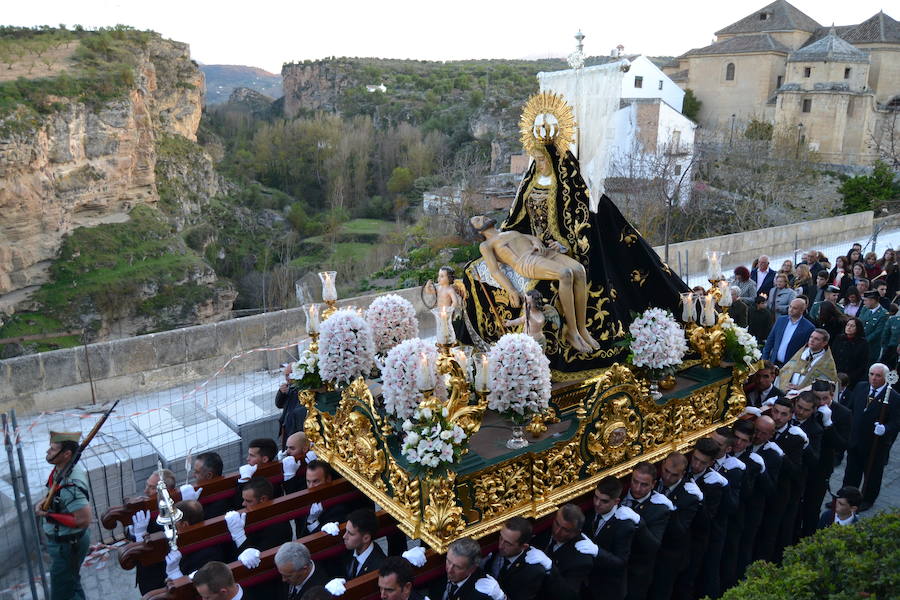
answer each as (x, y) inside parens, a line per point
(657, 341)
(432, 442)
(399, 390)
(393, 319)
(346, 350)
(519, 376)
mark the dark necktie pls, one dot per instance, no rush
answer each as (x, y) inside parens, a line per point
(352, 567)
(795, 422)
(504, 566)
(451, 590)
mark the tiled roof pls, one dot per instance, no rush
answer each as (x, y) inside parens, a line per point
(780, 16)
(821, 32)
(879, 28)
(743, 44)
(829, 48)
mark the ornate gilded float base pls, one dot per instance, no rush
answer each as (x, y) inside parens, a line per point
(605, 426)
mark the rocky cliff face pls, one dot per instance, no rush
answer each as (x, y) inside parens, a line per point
(83, 166)
(313, 86)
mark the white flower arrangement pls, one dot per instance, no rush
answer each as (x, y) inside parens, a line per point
(399, 390)
(519, 377)
(740, 344)
(393, 319)
(656, 341)
(346, 350)
(305, 372)
(430, 441)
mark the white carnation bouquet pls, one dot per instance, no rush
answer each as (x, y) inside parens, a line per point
(656, 342)
(399, 390)
(431, 443)
(305, 372)
(740, 345)
(393, 319)
(519, 377)
(346, 349)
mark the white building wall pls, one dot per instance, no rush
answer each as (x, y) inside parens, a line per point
(652, 78)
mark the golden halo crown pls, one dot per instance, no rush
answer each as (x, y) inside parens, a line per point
(547, 118)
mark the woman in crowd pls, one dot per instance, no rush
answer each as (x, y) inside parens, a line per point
(831, 319)
(803, 281)
(780, 295)
(873, 269)
(857, 272)
(889, 257)
(851, 304)
(854, 256)
(839, 272)
(787, 267)
(743, 282)
(851, 351)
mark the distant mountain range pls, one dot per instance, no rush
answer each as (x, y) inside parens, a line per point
(221, 80)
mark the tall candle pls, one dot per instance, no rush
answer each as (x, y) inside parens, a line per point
(687, 307)
(424, 376)
(444, 332)
(709, 311)
(463, 361)
(725, 298)
(329, 292)
(715, 268)
(481, 378)
(312, 319)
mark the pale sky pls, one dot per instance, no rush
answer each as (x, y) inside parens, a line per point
(267, 34)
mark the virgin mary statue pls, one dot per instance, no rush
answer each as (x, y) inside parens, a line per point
(624, 274)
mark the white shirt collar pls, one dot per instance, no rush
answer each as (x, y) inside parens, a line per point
(302, 583)
(847, 521)
(240, 593)
(879, 390)
(362, 558)
(641, 499)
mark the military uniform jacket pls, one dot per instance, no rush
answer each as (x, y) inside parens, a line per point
(73, 494)
(520, 580)
(874, 321)
(817, 307)
(891, 336)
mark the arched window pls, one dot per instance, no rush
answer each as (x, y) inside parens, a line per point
(729, 72)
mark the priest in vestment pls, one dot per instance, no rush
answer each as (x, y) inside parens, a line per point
(813, 361)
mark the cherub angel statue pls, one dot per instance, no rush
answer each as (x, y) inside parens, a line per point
(535, 313)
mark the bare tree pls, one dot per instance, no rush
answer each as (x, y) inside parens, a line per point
(885, 139)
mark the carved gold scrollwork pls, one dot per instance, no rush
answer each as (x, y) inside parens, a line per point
(615, 436)
(503, 488)
(443, 516)
(556, 468)
(656, 429)
(710, 343)
(405, 489)
(360, 450)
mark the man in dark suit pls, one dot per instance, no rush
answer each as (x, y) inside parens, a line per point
(260, 451)
(363, 555)
(319, 473)
(790, 333)
(611, 528)
(464, 579)
(762, 385)
(298, 571)
(763, 275)
(654, 509)
(293, 465)
(876, 420)
(712, 485)
(395, 580)
(255, 492)
(835, 420)
(805, 405)
(215, 580)
(568, 549)
(675, 547)
(765, 491)
(513, 564)
(791, 439)
(207, 466)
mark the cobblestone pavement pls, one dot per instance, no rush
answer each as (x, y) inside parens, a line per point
(108, 581)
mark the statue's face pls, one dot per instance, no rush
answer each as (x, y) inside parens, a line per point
(542, 165)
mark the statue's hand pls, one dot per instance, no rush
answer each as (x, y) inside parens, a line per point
(514, 299)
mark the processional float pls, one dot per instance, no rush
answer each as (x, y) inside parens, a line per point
(613, 381)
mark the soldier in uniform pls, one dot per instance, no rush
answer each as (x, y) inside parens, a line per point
(829, 294)
(874, 318)
(65, 523)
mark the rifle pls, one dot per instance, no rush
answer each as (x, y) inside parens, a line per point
(63, 473)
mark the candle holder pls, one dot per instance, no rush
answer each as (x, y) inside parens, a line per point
(330, 308)
(314, 342)
(169, 516)
(709, 342)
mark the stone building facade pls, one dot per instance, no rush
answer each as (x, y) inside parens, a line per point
(837, 89)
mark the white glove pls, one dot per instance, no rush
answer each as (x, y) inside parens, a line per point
(713, 478)
(189, 493)
(173, 565)
(289, 466)
(758, 460)
(246, 472)
(794, 430)
(693, 489)
(281, 454)
(752, 410)
(311, 456)
(488, 585)
(826, 415)
(586, 546)
(415, 556)
(139, 523)
(336, 587)
(315, 510)
(537, 557)
(235, 522)
(770, 402)
(332, 528)
(249, 558)
(879, 428)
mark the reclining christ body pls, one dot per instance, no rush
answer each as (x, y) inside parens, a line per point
(528, 257)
